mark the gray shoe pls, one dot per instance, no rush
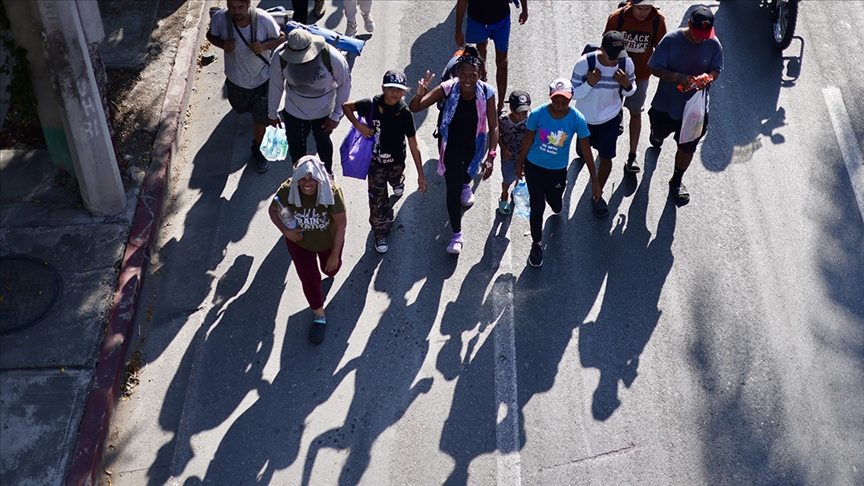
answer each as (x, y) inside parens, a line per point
(351, 29)
(320, 8)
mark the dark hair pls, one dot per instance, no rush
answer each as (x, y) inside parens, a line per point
(471, 56)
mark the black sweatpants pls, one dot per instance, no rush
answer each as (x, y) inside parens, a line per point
(544, 186)
(297, 131)
(456, 162)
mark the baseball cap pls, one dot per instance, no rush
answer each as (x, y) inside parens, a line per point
(702, 23)
(519, 101)
(613, 44)
(561, 86)
(302, 46)
(394, 79)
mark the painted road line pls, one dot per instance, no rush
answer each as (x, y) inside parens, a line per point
(506, 388)
(848, 143)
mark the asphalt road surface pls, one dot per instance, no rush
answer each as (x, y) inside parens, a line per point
(717, 343)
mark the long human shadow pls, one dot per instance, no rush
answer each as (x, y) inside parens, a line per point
(189, 267)
(267, 436)
(636, 270)
(383, 393)
(431, 51)
(744, 30)
(470, 429)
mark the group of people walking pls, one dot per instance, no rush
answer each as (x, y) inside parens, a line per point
(310, 80)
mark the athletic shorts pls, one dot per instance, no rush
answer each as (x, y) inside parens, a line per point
(604, 137)
(252, 101)
(636, 101)
(477, 33)
(662, 125)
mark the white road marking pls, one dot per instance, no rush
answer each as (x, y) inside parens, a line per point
(848, 143)
(506, 390)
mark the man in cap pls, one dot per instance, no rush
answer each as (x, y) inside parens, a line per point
(680, 57)
(600, 79)
(489, 19)
(643, 26)
(315, 81)
(247, 63)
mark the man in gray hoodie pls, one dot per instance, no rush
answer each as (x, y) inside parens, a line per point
(314, 81)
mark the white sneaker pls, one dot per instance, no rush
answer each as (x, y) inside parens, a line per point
(368, 23)
(351, 29)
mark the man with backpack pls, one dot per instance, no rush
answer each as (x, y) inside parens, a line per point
(643, 26)
(315, 81)
(246, 35)
(601, 78)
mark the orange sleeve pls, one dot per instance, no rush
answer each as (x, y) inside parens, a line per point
(612, 21)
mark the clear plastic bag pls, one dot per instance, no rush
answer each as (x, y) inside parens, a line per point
(521, 200)
(693, 119)
(274, 146)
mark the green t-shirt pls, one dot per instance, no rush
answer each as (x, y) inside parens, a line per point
(314, 219)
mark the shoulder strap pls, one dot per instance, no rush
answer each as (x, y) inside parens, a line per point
(592, 61)
(620, 19)
(229, 22)
(253, 13)
(325, 58)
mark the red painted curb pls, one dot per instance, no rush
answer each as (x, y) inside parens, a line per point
(86, 465)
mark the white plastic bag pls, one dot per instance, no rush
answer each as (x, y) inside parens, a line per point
(274, 146)
(693, 120)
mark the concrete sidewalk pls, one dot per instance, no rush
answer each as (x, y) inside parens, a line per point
(70, 281)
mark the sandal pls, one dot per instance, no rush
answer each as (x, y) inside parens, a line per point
(601, 210)
(680, 193)
(504, 208)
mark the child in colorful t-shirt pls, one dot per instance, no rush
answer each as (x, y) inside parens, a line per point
(512, 128)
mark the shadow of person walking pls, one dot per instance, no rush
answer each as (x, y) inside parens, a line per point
(637, 269)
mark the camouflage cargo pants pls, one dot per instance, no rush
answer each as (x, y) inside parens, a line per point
(380, 210)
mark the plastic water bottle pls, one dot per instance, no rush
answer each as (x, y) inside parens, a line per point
(282, 144)
(521, 200)
(285, 214)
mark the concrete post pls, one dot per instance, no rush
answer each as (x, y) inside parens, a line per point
(65, 47)
(26, 28)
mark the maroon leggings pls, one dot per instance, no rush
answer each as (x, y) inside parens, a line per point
(307, 270)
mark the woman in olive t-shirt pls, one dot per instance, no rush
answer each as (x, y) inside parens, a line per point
(316, 204)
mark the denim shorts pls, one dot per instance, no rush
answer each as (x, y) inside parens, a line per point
(477, 33)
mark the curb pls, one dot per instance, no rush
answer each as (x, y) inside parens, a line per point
(86, 465)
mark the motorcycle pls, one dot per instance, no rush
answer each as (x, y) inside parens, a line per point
(784, 17)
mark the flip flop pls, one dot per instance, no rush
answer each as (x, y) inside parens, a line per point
(504, 208)
(601, 210)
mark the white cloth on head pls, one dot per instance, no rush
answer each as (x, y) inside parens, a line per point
(311, 165)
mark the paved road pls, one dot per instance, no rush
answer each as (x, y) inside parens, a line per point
(718, 343)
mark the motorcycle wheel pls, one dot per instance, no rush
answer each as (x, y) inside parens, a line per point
(785, 19)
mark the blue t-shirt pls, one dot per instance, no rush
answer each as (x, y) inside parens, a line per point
(551, 146)
(676, 53)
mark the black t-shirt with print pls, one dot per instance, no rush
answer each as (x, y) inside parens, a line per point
(392, 125)
(488, 12)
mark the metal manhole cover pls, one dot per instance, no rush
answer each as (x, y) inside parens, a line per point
(29, 288)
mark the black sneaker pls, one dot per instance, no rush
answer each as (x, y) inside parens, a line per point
(654, 141)
(679, 192)
(535, 259)
(261, 162)
(381, 244)
(317, 331)
(632, 166)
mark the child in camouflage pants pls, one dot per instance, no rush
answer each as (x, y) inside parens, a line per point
(391, 124)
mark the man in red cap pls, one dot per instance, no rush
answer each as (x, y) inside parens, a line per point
(680, 57)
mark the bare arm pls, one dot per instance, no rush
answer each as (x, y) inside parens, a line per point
(523, 153)
(340, 221)
(294, 235)
(348, 110)
(423, 98)
(418, 163)
(492, 120)
(461, 8)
